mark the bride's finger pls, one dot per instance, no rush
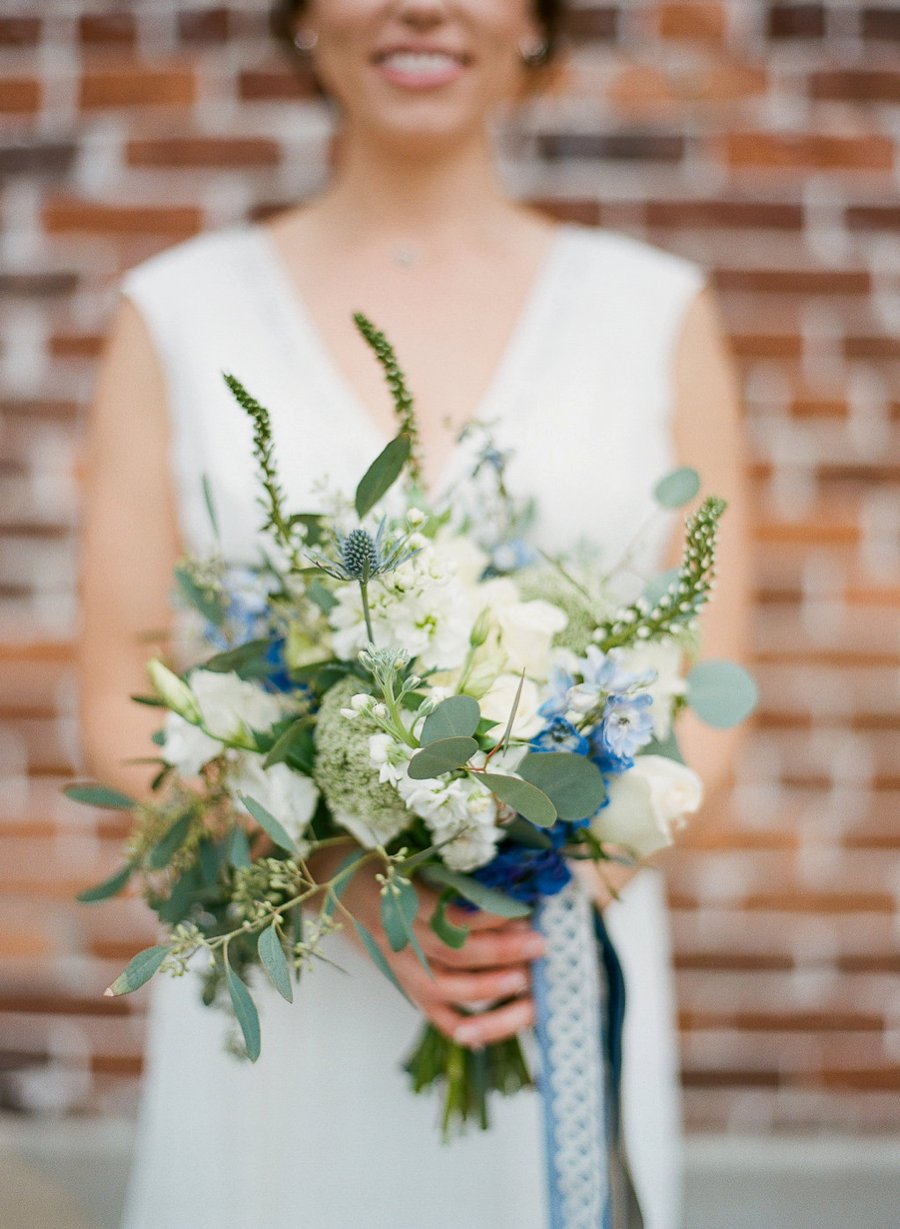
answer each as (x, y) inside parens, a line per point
(479, 987)
(495, 1025)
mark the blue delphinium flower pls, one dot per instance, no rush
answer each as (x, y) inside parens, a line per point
(627, 723)
(560, 735)
(557, 701)
(524, 873)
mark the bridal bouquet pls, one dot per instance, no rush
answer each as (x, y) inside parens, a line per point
(417, 685)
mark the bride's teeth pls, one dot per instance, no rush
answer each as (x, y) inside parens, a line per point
(417, 62)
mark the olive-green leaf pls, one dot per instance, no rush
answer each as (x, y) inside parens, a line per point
(245, 1010)
(392, 922)
(721, 693)
(455, 717)
(441, 756)
(161, 853)
(572, 782)
(269, 823)
(295, 746)
(248, 659)
(454, 936)
(489, 899)
(138, 970)
(271, 953)
(677, 488)
(108, 887)
(666, 747)
(529, 800)
(377, 957)
(99, 796)
(382, 474)
(524, 833)
(238, 847)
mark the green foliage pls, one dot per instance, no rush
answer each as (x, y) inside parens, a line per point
(677, 488)
(667, 747)
(455, 717)
(489, 899)
(269, 824)
(248, 660)
(207, 599)
(572, 782)
(109, 887)
(271, 953)
(238, 847)
(721, 693)
(527, 799)
(244, 1009)
(446, 931)
(396, 382)
(399, 907)
(377, 957)
(294, 747)
(382, 474)
(443, 755)
(161, 853)
(138, 970)
(93, 795)
(525, 833)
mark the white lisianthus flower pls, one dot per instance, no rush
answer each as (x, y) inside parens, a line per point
(186, 747)
(290, 796)
(665, 658)
(496, 705)
(647, 803)
(228, 704)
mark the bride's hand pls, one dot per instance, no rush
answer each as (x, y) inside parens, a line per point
(490, 968)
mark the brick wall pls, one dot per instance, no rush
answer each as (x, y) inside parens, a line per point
(761, 139)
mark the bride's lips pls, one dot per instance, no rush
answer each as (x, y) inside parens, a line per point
(420, 68)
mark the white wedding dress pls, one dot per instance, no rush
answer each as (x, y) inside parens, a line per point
(322, 1132)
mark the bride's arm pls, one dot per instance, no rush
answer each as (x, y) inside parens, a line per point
(708, 436)
(129, 545)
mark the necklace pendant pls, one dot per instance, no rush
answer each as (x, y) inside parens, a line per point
(406, 257)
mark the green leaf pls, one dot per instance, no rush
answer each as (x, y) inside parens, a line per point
(312, 522)
(659, 584)
(377, 957)
(244, 1009)
(504, 741)
(208, 602)
(572, 782)
(527, 799)
(721, 693)
(99, 796)
(210, 505)
(341, 879)
(248, 660)
(441, 756)
(210, 856)
(677, 488)
(161, 853)
(186, 889)
(382, 474)
(322, 597)
(109, 887)
(399, 908)
(271, 953)
(138, 970)
(238, 847)
(455, 717)
(446, 931)
(667, 747)
(489, 899)
(525, 833)
(269, 823)
(295, 747)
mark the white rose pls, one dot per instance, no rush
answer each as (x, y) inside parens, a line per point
(229, 703)
(290, 796)
(496, 705)
(526, 634)
(186, 747)
(646, 803)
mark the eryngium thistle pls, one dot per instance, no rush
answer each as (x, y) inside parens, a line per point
(360, 557)
(359, 554)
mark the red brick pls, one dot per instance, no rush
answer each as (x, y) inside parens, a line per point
(137, 86)
(19, 31)
(257, 85)
(856, 85)
(76, 345)
(796, 20)
(72, 215)
(873, 217)
(586, 212)
(592, 21)
(205, 25)
(737, 214)
(119, 29)
(699, 19)
(880, 21)
(19, 95)
(204, 152)
(795, 281)
(820, 150)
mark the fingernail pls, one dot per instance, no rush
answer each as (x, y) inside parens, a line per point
(467, 1034)
(533, 947)
(512, 983)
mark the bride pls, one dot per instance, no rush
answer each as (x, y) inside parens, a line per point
(601, 362)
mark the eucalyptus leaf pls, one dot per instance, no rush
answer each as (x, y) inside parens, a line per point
(161, 853)
(341, 879)
(382, 474)
(525, 833)
(455, 717)
(271, 953)
(245, 1010)
(138, 970)
(377, 957)
(208, 602)
(100, 796)
(572, 782)
(322, 597)
(677, 488)
(295, 746)
(393, 923)
(667, 747)
(109, 887)
(441, 756)
(210, 505)
(721, 693)
(489, 899)
(248, 660)
(186, 889)
(527, 799)
(448, 933)
(269, 824)
(238, 847)
(312, 523)
(210, 856)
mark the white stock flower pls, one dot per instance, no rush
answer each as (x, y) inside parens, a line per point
(647, 803)
(229, 703)
(290, 796)
(186, 747)
(496, 705)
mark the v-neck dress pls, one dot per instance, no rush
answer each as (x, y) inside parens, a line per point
(322, 1132)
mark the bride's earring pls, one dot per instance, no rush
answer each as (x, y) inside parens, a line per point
(306, 41)
(533, 51)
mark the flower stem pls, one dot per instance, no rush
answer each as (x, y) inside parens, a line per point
(367, 614)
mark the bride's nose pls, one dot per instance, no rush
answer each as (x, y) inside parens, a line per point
(421, 13)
